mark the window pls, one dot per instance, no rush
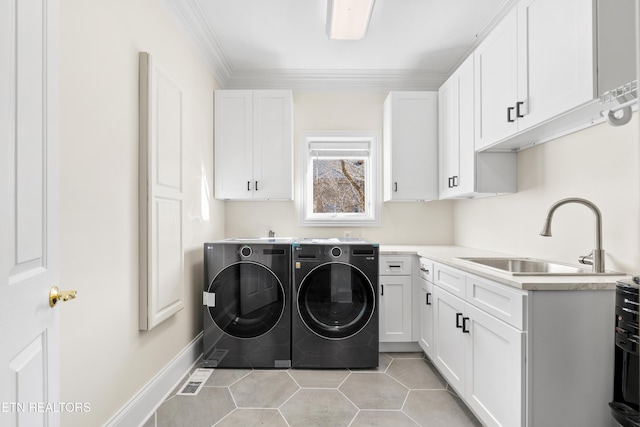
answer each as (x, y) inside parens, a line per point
(340, 178)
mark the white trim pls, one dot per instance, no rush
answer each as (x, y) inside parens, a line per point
(373, 184)
(138, 410)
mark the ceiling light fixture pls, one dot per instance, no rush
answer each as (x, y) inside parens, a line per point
(348, 19)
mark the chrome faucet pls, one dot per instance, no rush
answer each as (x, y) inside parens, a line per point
(272, 233)
(596, 257)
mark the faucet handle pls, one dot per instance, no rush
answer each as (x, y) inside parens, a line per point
(586, 259)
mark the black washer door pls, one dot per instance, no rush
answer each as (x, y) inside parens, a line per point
(249, 300)
(336, 300)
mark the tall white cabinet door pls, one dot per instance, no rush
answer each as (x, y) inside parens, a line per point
(234, 144)
(411, 146)
(494, 371)
(449, 135)
(449, 339)
(426, 318)
(273, 144)
(29, 230)
(496, 83)
(395, 309)
(559, 78)
(466, 132)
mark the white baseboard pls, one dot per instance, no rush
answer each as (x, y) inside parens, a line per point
(146, 402)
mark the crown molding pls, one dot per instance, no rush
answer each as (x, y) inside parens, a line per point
(336, 80)
(190, 16)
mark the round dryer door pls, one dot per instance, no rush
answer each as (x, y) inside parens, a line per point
(336, 300)
(249, 300)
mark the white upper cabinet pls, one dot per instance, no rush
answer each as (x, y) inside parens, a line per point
(545, 64)
(463, 172)
(411, 146)
(496, 83)
(254, 144)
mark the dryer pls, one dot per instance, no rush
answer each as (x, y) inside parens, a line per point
(334, 305)
(247, 303)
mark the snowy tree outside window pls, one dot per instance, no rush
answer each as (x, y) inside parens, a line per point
(340, 178)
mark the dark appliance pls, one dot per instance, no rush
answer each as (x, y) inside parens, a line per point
(247, 309)
(624, 406)
(335, 308)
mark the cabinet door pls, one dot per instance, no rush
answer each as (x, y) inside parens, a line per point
(449, 340)
(449, 135)
(494, 369)
(558, 68)
(272, 144)
(233, 144)
(411, 146)
(395, 309)
(496, 83)
(426, 317)
(466, 182)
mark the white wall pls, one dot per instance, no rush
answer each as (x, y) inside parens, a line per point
(105, 359)
(402, 223)
(600, 164)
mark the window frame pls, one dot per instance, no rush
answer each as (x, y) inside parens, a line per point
(371, 216)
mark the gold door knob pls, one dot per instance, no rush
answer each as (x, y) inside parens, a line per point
(56, 295)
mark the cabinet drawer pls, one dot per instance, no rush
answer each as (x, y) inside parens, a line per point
(450, 279)
(497, 300)
(426, 269)
(395, 265)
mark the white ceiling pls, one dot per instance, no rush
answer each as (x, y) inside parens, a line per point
(411, 44)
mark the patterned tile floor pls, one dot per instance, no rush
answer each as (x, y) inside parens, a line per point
(405, 390)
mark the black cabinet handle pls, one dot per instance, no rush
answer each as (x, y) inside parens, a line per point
(256, 187)
(455, 180)
(395, 187)
(509, 110)
(458, 317)
(518, 105)
(428, 300)
(248, 185)
(381, 290)
(464, 325)
(450, 182)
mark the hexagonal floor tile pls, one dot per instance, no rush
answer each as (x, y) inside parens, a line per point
(374, 391)
(382, 419)
(415, 374)
(319, 378)
(438, 408)
(383, 363)
(318, 407)
(263, 389)
(253, 417)
(226, 377)
(207, 408)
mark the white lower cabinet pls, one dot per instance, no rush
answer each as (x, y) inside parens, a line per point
(395, 309)
(481, 357)
(395, 298)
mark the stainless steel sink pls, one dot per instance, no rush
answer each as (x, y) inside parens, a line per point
(534, 267)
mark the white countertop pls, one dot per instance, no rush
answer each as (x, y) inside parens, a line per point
(448, 255)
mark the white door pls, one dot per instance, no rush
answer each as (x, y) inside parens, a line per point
(496, 85)
(494, 371)
(29, 354)
(449, 340)
(273, 144)
(234, 144)
(395, 309)
(560, 78)
(426, 317)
